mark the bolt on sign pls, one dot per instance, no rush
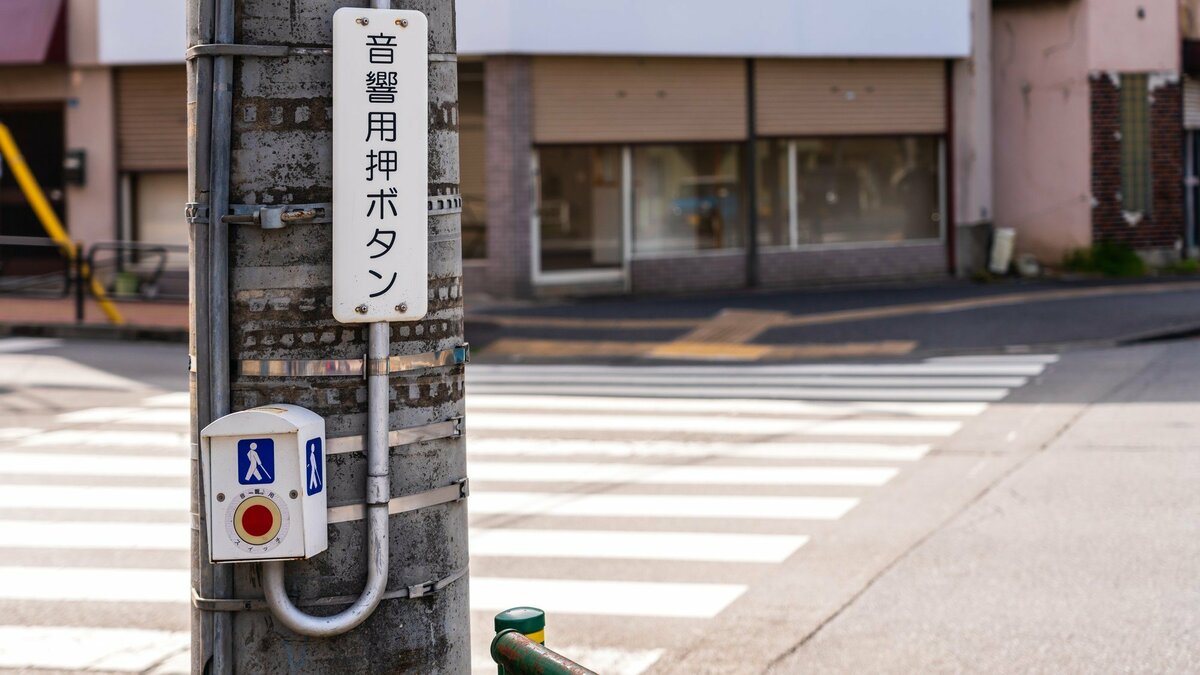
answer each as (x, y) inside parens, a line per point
(380, 165)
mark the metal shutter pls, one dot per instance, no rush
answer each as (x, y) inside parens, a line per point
(629, 100)
(850, 96)
(1191, 103)
(152, 118)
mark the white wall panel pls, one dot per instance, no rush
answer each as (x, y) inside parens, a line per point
(142, 31)
(795, 28)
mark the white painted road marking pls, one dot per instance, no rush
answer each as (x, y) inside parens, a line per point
(605, 598)
(146, 416)
(51, 464)
(492, 402)
(764, 426)
(94, 584)
(589, 544)
(93, 649)
(561, 447)
(748, 391)
(94, 498)
(35, 534)
(661, 506)
(659, 474)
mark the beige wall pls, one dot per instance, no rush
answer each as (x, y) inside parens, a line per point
(82, 33)
(21, 84)
(972, 86)
(1118, 40)
(92, 208)
(1041, 125)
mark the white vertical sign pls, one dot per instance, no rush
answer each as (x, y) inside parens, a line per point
(380, 165)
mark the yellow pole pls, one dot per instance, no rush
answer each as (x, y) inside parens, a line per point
(51, 223)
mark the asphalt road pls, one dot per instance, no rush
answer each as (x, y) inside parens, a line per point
(1006, 513)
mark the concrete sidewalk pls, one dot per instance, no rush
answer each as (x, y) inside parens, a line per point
(1081, 558)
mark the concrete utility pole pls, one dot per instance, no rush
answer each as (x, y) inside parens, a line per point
(263, 332)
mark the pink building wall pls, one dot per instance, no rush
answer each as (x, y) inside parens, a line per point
(1042, 55)
(1041, 126)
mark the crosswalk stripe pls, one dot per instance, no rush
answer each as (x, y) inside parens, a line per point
(520, 377)
(13, 433)
(604, 598)
(27, 534)
(609, 544)
(976, 394)
(947, 367)
(147, 416)
(709, 425)
(94, 584)
(159, 440)
(27, 463)
(552, 447)
(494, 402)
(91, 649)
(94, 498)
(651, 474)
(984, 360)
(751, 548)
(19, 344)
(661, 506)
(175, 399)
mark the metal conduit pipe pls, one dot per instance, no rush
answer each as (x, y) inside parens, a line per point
(378, 492)
(220, 138)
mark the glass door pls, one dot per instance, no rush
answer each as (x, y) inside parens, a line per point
(579, 213)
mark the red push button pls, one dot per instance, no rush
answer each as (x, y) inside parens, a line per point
(257, 520)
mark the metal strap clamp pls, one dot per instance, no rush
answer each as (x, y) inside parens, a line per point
(353, 367)
(259, 605)
(276, 51)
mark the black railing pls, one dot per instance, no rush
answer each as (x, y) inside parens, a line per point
(128, 271)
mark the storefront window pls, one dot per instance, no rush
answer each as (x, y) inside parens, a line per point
(867, 189)
(686, 198)
(773, 196)
(471, 159)
(580, 207)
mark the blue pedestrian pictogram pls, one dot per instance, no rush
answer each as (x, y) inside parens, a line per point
(256, 461)
(316, 467)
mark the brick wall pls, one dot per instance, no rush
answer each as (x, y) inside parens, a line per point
(1163, 226)
(833, 265)
(508, 142)
(791, 268)
(706, 272)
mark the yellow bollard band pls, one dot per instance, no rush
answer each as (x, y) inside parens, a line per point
(538, 637)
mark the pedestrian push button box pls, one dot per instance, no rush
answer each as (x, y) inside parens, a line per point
(264, 484)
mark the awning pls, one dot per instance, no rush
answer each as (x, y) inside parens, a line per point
(32, 32)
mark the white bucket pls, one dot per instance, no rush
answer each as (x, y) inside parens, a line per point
(1002, 250)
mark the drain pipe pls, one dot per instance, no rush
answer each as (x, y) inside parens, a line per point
(378, 492)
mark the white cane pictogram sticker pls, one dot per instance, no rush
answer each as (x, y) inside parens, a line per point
(255, 465)
(314, 478)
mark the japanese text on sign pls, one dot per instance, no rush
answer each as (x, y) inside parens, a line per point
(380, 165)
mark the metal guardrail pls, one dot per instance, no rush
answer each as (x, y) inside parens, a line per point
(128, 271)
(55, 284)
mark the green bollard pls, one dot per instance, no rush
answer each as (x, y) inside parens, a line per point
(528, 621)
(518, 655)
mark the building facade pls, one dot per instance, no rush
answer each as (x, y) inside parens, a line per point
(690, 146)
(94, 92)
(686, 145)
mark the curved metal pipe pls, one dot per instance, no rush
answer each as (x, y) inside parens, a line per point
(378, 492)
